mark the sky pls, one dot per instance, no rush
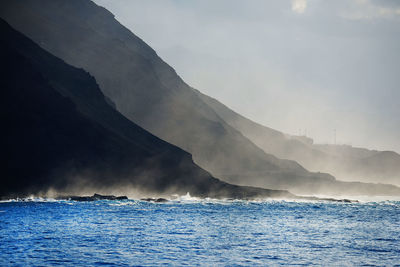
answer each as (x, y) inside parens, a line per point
(299, 66)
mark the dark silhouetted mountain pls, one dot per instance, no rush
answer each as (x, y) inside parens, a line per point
(148, 92)
(59, 133)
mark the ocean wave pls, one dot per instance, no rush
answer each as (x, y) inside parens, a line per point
(188, 199)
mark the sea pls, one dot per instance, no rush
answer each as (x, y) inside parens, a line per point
(188, 231)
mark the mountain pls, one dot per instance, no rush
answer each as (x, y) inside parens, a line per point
(343, 161)
(359, 164)
(60, 133)
(149, 92)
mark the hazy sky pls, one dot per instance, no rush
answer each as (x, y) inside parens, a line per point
(296, 66)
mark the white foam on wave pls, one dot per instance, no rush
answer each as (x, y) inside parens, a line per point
(362, 198)
(31, 199)
(129, 202)
(188, 199)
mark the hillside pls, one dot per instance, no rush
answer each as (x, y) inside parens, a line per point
(345, 162)
(59, 134)
(148, 92)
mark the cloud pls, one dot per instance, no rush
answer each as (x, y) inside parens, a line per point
(367, 9)
(299, 6)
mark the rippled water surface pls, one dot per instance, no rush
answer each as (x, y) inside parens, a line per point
(204, 232)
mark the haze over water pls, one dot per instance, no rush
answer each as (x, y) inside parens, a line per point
(198, 232)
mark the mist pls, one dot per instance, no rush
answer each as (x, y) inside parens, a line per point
(301, 67)
(149, 101)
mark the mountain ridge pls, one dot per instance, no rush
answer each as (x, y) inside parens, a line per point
(160, 98)
(61, 135)
(149, 92)
(345, 162)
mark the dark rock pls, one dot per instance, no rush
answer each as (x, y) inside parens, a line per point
(109, 197)
(328, 199)
(158, 200)
(78, 198)
(93, 198)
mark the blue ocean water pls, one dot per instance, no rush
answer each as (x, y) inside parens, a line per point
(198, 232)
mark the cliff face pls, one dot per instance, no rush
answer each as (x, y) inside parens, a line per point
(59, 133)
(148, 92)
